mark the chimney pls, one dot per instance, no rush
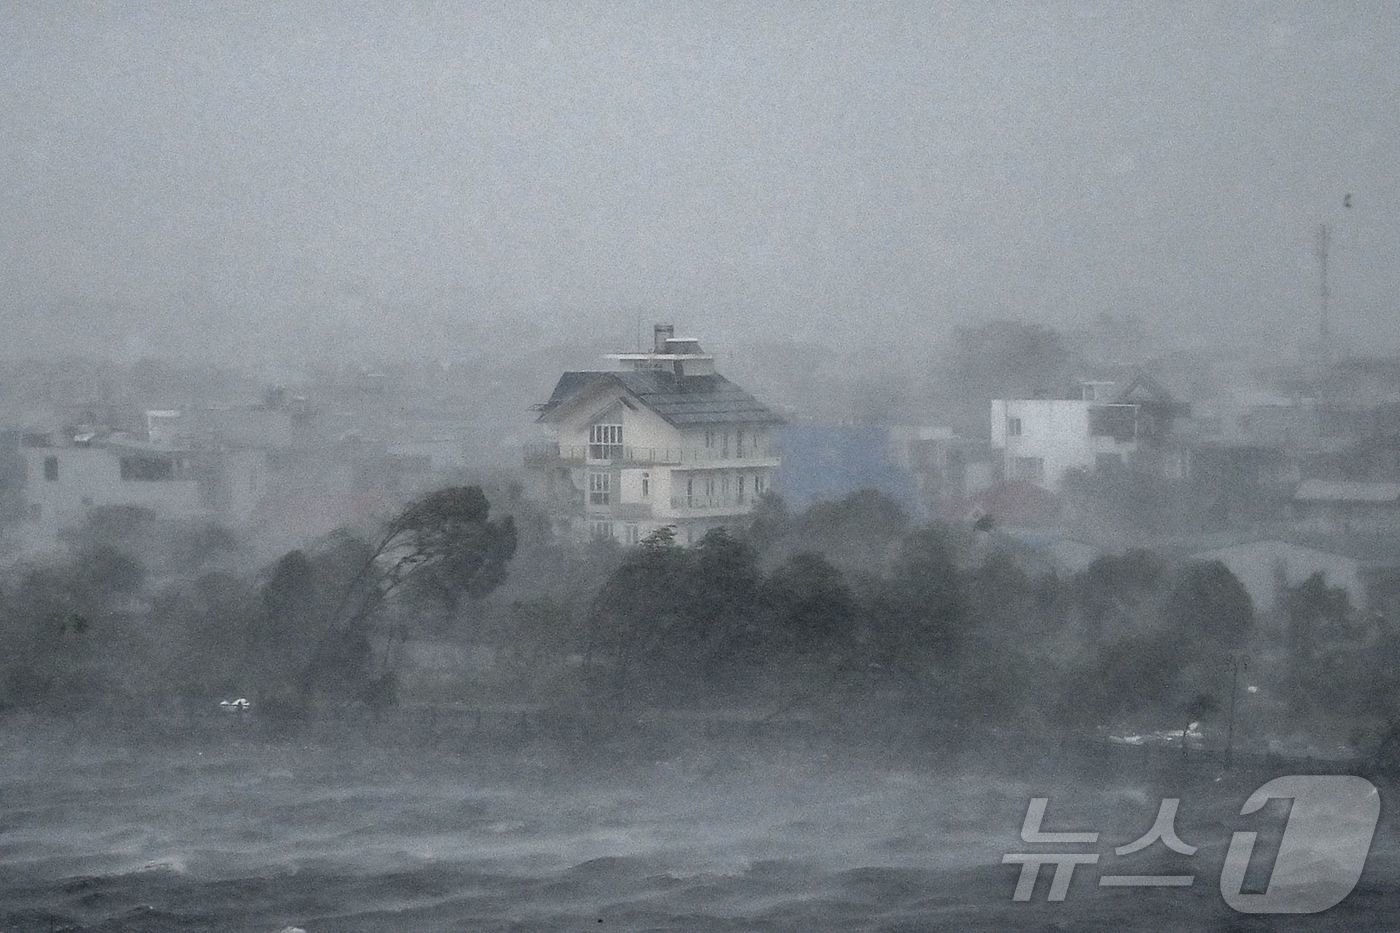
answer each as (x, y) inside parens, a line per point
(660, 333)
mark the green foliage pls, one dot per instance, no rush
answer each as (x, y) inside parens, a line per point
(812, 609)
(290, 589)
(927, 602)
(1114, 589)
(843, 606)
(769, 522)
(442, 544)
(1209, 603)
(106, 569)
(1315, 612)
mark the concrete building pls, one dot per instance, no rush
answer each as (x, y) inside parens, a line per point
(1103, 425)
(660, 440)
(67, 475)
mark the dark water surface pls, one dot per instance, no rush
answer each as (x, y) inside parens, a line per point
(232, 833)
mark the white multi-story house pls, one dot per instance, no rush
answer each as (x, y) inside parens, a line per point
(67, 474)
(1105, 425)
(662, 440)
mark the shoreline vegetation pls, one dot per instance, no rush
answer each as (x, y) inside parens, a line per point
(462, 620)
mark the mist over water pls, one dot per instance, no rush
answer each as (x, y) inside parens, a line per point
(235, 833)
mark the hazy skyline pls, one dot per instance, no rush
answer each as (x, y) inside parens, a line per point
(246, 181)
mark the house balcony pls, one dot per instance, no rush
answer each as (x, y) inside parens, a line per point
(632, 511)
(710, 505)
(549, 453)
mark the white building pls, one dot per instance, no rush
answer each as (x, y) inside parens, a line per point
(661, 440)
(1104, 426)
(68, 475)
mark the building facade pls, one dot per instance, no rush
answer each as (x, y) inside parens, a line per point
(1103, 426)
(66, 476)
(660, 440)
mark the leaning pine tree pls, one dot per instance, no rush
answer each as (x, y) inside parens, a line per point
(443, 544)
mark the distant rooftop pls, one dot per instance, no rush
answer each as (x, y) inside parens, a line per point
(675, 379)
(682, 401)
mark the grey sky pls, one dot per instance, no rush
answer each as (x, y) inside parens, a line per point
(333, 176)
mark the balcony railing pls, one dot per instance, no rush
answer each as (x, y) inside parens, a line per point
(547, 452)
(711, 503)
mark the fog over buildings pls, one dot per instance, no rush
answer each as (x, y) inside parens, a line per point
(699, 466)
(319, 179)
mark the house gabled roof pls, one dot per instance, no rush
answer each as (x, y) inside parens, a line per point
(682, 401)
(1143, 387)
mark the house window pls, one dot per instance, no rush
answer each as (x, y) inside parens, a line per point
(631, 534)
(646, 485)
(710, 486)
(599, 488)
(605, 441)
(709, 438)
(1029, 469)
(1013, 427)
(760, 484)
(741, 488)
(51, 469)
(739, 443)
(600, 531)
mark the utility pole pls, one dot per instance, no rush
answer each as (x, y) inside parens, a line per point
(1324, 244)
(1324, 286)
(1236, 663)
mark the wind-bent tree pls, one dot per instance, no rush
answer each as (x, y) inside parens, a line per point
(445, 541)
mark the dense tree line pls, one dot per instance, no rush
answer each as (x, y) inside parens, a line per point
(847, 608)
(324, 624)
(944, 621)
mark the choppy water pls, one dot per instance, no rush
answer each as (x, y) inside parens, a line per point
(247, 835)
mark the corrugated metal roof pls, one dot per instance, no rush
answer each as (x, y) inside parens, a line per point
(682, 401)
